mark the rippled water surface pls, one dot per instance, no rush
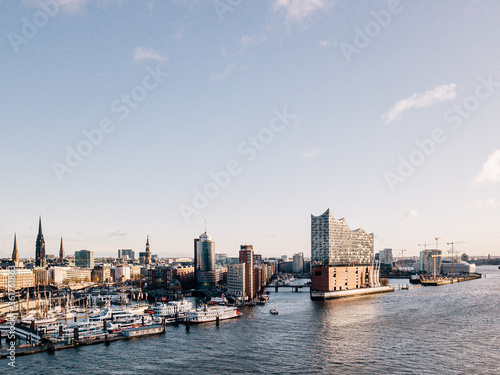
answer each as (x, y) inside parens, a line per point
(451, 329)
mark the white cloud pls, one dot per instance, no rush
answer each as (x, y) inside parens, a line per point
(412, 214)
(483, 204)
(324, 43)
(490, 174)
(311, 153)
(117, 234)
(247, 39)
(225, 73)
(436, 95)
(297, 10)
(72, 6)
(146, 53)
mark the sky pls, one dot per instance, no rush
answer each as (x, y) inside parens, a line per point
(122, 119)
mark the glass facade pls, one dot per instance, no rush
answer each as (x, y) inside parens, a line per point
(334, 243)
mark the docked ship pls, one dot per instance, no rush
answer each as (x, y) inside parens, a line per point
(172, 307)
(211, 313)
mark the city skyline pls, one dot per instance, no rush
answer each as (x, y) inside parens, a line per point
(122, 119)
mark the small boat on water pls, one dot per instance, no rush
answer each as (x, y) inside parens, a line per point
(274, 311)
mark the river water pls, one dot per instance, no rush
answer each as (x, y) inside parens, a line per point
(451, 329)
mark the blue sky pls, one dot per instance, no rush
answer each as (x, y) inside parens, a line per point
(385, 112)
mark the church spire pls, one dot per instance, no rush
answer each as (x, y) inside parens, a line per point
(40, 260)
(147, 259)
(40, 226)
(61, 251)
(15, 252)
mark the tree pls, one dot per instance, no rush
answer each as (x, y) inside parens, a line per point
(384, 282)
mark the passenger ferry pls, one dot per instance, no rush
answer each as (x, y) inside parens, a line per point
(210, 314)
(171, 308)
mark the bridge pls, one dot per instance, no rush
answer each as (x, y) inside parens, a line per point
(295, 288)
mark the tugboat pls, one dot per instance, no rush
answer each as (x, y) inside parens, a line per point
(274, 311)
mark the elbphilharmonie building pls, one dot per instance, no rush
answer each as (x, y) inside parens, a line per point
(334, 243)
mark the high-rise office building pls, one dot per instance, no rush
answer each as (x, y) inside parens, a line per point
(246, 257)
(205, 253)
(298, 263)
(206, 274)
(429, 259)
(40, 260)
(126, 253)
(236, 280)
(341, 258)
(84, 259)
(385, 256)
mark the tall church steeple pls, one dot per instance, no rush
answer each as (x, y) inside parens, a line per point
(147, 260)
(15, 252)
(61, 252)
(40, 260)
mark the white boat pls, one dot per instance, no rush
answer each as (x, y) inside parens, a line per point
(38, 321)
(113, 314)
(274, 311)
(211, 313)
(84, 329)
(219, 300)
(172, 307)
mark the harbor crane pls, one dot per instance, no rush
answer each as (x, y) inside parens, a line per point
(452, 257)
(435, 256)
(424, 245)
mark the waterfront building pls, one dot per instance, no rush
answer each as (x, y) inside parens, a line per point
(123, 253)
(284, 258)
(341, 258)
(298, 263)
(23, 278)
(184, 275)
(236, 280)
(204, 257)
(426, 262)
(40, 260)
(84, 259)
(246, 257)
(459, 267)
(385, 256)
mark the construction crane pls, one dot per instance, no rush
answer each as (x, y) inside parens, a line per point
(402, 258)
(424, 245)
(435, 256)
(452, 257)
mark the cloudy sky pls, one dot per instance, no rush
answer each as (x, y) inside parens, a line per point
(127, 118)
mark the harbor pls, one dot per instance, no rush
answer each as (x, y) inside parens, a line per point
(294, 339)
